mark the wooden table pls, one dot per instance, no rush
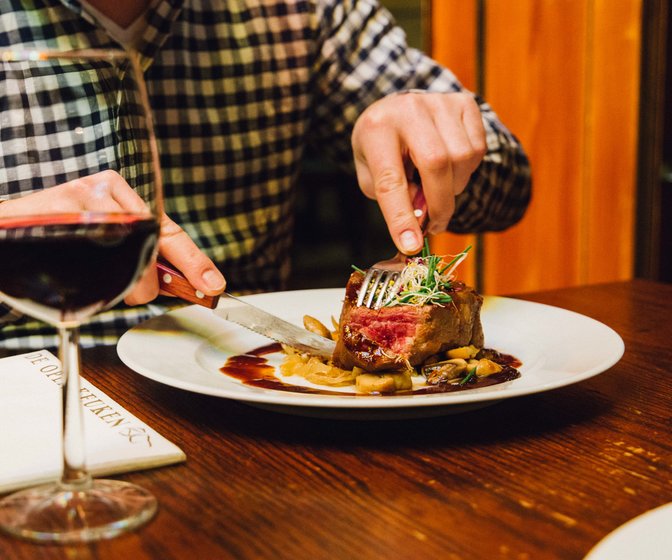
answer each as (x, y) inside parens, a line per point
(536, 477)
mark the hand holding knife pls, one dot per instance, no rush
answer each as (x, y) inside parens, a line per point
(242, 313)
(173, 282)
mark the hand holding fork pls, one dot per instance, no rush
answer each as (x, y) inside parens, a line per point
(381, 282)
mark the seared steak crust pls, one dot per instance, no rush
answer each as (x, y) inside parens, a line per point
(391, 338)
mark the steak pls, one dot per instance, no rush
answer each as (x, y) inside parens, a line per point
(392, 338)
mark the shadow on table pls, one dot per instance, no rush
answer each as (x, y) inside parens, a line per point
(512, 419)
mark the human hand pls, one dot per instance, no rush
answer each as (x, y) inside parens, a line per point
(439, 134)
(184, 255)
(107, 191)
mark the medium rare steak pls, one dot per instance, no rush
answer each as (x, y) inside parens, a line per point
(391, 338)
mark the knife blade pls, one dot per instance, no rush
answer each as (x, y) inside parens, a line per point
(245, 314)
(261, 322)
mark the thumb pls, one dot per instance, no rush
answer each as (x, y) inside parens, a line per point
(181, 251)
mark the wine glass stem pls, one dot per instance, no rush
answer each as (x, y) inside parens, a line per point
(75, 475)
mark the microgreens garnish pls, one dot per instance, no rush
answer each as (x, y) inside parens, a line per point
(426, 280)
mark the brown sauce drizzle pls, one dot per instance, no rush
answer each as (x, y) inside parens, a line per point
(254, 370)
(508, 373)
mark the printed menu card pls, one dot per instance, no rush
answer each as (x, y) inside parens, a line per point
(30, 437)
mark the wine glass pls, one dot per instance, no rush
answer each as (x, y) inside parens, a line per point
(79, 224)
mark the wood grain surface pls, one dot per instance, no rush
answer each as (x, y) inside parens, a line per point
(538, 477)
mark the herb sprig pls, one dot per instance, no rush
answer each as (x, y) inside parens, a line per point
(426, 279)
(468, 377)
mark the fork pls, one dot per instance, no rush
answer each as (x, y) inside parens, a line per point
(383, 279)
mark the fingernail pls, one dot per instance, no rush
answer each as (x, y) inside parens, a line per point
(408, 240)
(214, 280)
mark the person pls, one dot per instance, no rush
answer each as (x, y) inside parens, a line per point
(238, 91)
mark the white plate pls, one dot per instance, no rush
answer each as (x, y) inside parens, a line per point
(647, 536)
(186, 348)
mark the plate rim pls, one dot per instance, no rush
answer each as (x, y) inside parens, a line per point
(630, 530)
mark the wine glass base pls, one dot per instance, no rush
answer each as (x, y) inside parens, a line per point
(56, 514)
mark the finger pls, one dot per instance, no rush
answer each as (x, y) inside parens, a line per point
(364, 178)
(48, 201)
(473, 125)
(432, 159)
(382, 156)
(111, 184)
(95, 193)
(92, 193)
(458, 120)
(129, 200)
(146, 289)
(180, 250)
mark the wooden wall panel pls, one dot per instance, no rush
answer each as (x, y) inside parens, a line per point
(613, 113)
(564, 76)
(575, 109)
(535, 80)
(454, 37)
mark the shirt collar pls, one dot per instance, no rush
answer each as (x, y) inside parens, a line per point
(160, 19)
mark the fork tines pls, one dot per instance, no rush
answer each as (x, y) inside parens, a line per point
(379, 285)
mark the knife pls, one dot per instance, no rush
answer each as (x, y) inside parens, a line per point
(242, 313)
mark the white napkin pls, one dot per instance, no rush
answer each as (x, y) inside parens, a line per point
(30, 427)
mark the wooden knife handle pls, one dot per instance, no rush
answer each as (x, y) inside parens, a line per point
(174, 283)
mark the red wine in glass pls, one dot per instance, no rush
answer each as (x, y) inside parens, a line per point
(64, 268)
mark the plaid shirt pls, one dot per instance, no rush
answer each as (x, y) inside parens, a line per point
(238, 90)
